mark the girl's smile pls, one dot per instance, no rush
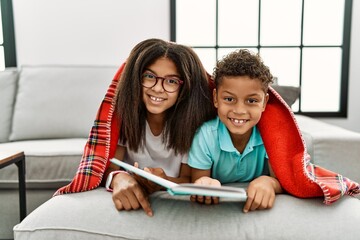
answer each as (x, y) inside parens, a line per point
(156, 99)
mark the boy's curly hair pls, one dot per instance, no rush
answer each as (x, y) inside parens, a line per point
(243, 63)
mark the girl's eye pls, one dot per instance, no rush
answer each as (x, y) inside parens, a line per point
(173, 81)
(229, 99)
(149, 75)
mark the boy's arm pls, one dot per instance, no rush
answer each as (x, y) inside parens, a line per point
(202, 177)
(261, 192)
(276, 183)
(199, 173)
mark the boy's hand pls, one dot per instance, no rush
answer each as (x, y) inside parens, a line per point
(206, 199)
(261, 193)
(128, 194)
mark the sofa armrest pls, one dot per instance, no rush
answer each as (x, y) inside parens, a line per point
(332, 147)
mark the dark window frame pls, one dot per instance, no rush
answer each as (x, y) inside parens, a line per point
(8, 33)
(344, 80)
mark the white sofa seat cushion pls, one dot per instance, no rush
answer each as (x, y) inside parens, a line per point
(8, 81)
(49, 163)
(92, 215)
(58, 101)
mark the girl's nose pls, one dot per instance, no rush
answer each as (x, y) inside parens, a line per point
(158, 86)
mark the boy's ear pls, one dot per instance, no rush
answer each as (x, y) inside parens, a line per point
(265, 101)
(215, 98)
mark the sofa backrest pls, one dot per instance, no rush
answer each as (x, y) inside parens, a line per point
(58, 101)
(8, 82)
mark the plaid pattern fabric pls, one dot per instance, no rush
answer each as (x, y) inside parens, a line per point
(289, 158)
(100, 146)
(282, 139)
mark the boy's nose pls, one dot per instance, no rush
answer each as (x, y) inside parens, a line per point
(239, 109)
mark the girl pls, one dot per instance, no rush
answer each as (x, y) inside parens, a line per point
(162, 98)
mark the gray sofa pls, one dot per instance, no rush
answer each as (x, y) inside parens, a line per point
(47, 112)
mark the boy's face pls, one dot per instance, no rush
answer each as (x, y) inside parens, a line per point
(240, 102)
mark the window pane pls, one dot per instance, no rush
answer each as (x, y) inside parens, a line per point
(280, 22)
(207, 57)
(238, 26)
(222, 52)
(327, 28)
(2, 59)
(196, 22)
(1, 29)
(321, 75)
(284, 63)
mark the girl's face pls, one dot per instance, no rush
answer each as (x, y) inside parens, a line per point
(156, 99)
(240, 102)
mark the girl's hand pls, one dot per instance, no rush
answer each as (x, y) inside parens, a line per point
(148, 185)
(261, 193)
(206, 199)
(128, 194)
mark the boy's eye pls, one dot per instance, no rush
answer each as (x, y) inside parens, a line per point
(252, 100)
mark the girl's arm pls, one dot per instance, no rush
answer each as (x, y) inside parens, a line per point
(127, 194)
(119, 154)
(184, 176)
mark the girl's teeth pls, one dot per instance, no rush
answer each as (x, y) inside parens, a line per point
(156, 99)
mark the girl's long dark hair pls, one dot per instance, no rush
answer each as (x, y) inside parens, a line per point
(193, 106)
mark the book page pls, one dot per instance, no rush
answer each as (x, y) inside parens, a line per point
(234, 193)
(201, 190)
(161, 181)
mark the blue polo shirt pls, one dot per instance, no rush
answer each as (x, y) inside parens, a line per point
(212, 148)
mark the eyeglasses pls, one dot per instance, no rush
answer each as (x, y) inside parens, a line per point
(170, 84)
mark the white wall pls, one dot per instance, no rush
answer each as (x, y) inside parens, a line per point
(85, 31)
(103, 32)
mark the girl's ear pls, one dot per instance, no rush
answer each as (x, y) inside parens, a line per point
(215, 98)
(266, 99)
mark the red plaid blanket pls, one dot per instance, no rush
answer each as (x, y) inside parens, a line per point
(281, 135)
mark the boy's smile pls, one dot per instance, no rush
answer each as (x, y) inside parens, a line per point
(240, 102)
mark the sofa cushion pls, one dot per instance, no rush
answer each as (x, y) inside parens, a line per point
(49, 163)
(8, 81)
(92, 215)
(58, 101)
(289, 93)
(332, 147)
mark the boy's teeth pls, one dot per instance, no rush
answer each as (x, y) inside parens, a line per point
(239, 121)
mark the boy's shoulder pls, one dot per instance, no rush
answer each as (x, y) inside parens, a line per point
(211, 125)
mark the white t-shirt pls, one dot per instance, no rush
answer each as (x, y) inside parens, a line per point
(155, 154)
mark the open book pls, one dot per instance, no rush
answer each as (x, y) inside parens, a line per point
(234, 193)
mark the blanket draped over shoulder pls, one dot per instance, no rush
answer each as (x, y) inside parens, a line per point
(282, 138)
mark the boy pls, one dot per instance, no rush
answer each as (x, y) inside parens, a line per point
(230, 148)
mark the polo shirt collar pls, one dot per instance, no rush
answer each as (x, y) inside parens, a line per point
(227, 145)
